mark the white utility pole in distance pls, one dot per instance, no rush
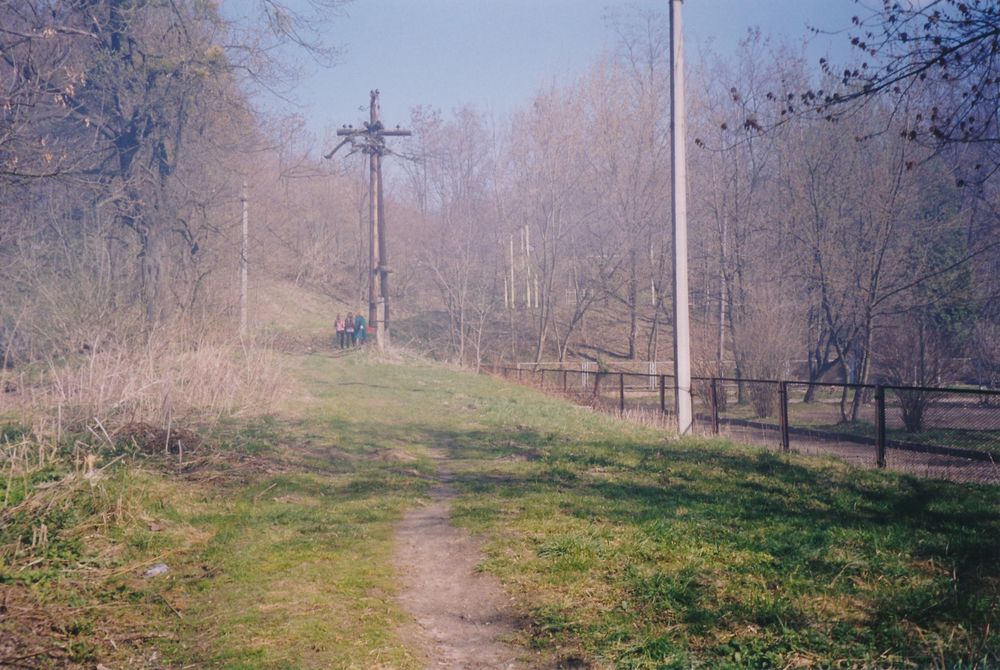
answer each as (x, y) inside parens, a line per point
(243, 265)
(682, 326)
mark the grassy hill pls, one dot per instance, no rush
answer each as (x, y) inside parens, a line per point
(296, 317)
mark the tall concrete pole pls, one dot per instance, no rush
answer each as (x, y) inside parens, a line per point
(243, 264)
(682, 325)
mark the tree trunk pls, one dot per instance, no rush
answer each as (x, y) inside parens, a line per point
(860, 393)
(151, 272)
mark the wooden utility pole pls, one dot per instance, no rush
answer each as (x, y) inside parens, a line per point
(374, 186)
(382, 253)
(370, 140)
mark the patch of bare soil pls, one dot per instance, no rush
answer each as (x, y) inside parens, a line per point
(149, 439)
(462, 619)
(29, 633)
(228, 468)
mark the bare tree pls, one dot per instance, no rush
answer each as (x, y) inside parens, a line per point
(736, 206)
(938, 57)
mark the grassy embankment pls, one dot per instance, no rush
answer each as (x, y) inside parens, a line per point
(623, 549)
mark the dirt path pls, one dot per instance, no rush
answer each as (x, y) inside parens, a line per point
(461, 617)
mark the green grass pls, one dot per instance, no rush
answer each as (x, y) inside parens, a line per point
(623, 548)
(303, 578)
(633, 550)
(636, 551)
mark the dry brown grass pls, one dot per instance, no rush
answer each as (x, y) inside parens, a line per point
(160, 382)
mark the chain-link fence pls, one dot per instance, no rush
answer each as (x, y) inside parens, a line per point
(948, 433)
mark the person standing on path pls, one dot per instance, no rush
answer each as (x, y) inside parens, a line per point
(360, 328)
(341, 327)
(349, 330)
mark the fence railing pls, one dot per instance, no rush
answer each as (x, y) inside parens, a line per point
(951, 433)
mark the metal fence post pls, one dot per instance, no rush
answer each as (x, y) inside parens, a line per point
(565, 381)
(714, 401)
(621, 392)
(663, 394)
(880, 426)
(783, 413)
(518, 373)
(597, 383)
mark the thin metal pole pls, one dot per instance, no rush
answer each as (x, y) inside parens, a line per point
(663, 394)
(880, 426)
(714, 397)
(783, 414)
(621, 392)
(243, 263)
(682, 328)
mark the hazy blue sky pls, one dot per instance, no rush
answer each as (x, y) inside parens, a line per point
(495, 54)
